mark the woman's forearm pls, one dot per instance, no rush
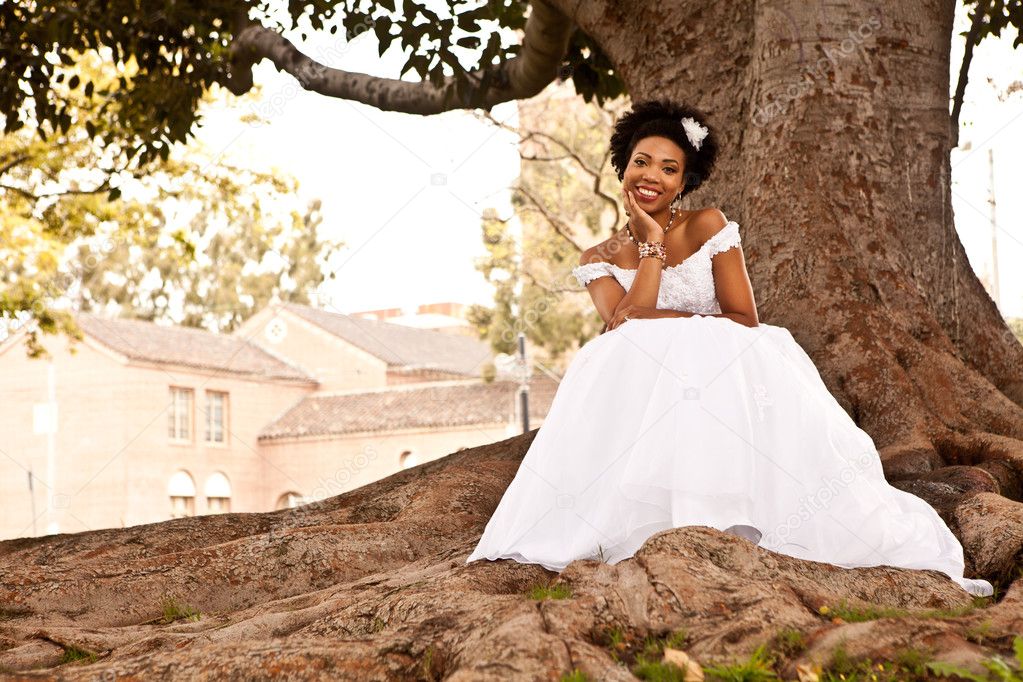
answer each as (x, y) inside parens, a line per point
(645, 286)
(737, 317)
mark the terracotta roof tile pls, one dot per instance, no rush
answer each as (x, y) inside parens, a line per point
(143, 340)
(401, 346)
(405, 407)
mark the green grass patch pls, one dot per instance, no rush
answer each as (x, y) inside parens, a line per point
(997, 668)
(789, 642)
(643, 657)
(658, 671)
(74, 654)
(173, 610)
(909, 665)
(550, 591)
(856, 614)
(759, 667)
(980, 633)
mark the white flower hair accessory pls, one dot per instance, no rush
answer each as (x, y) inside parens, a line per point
(694, 131)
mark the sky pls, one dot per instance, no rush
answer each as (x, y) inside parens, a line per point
(406, 192)
(988, 124)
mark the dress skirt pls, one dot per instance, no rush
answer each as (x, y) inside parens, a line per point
(700, 420)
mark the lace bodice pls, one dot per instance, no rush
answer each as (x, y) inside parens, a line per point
(688, 286)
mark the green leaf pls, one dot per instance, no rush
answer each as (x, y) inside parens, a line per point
(382, 28)
(948, 670)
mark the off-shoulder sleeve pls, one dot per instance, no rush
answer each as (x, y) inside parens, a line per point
(584, 274)
(726, 238)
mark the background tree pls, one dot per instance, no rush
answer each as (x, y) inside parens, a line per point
(836, 133)
(217, 275)
(565, 200)
(78, 220)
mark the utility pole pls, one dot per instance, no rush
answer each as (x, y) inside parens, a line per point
(517, 364)
(524, 385)
(995, 291)
(32, 497)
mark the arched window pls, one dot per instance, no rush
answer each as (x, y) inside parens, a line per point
(181, 489)
(289, 500)
(218, 493)
(408, 459)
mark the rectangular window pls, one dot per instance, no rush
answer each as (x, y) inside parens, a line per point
(216, 416)
(179, 417)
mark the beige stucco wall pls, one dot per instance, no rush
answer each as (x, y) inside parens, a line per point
(323, 467)
(83, 446)
(112, 452)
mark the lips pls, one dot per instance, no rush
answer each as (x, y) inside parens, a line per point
(646, 197)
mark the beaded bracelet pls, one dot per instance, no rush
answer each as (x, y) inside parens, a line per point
(652, 249)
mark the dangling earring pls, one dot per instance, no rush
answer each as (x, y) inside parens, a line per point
(676, 206)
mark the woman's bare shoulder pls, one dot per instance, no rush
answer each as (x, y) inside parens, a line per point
(603, 252)
(704, 223)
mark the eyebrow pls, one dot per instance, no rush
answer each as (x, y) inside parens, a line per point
(645, 154)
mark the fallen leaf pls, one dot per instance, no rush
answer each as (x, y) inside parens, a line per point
(693, 670)
(806, 673)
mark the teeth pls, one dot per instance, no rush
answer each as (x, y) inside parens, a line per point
(646, 192)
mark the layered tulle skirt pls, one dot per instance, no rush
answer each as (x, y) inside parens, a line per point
(700, 420)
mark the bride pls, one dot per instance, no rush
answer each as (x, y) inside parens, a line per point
(686, 410)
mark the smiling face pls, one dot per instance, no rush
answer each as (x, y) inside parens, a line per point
(656, 163)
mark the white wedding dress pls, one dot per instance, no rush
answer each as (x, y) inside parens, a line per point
(700, 420)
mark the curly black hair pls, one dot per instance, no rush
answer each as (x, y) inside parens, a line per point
(663, 118)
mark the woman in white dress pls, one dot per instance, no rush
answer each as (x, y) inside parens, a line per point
(689, 411)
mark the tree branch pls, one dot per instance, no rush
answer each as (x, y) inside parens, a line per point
(569, 153)
(972, 38)
(102, 187)
(544, 45)
(559, 226)
(15, 161)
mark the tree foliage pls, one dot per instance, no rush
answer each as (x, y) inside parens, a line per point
(177, 51)
(565, 201)
(80, 222)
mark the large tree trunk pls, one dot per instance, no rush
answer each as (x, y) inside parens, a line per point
(835, 136)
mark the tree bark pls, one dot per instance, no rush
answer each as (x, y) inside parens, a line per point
(834, 124)
(545, 40)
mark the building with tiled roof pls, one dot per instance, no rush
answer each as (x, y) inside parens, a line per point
(141, 341)
(416, 406)
(401, 347)
(140, 422)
